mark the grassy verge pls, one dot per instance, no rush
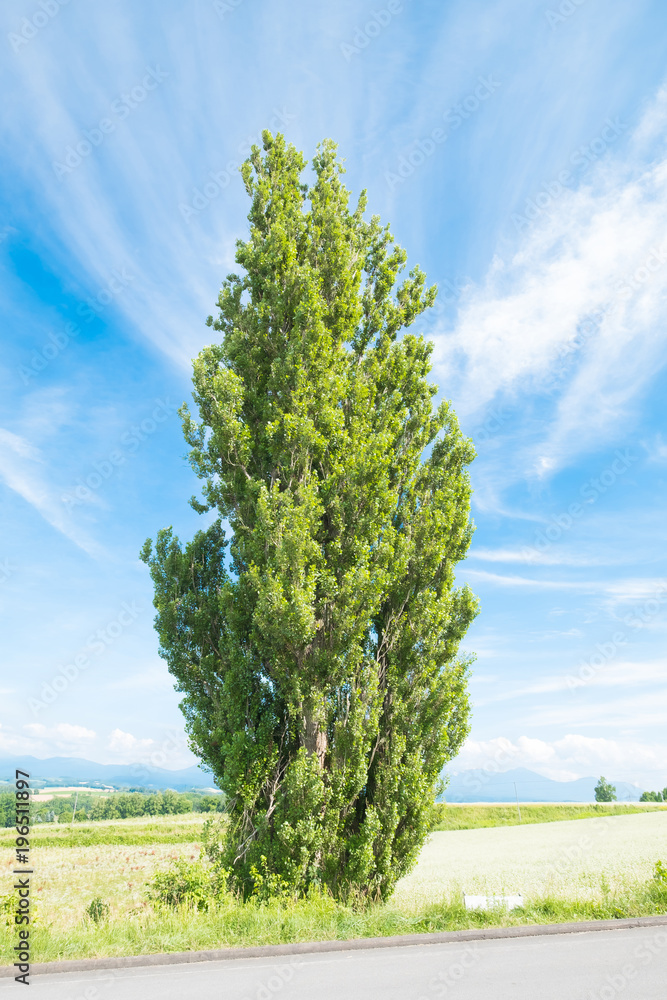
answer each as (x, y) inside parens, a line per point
(234, 924)
(461, 816)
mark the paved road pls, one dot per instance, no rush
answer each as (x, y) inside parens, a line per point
(600, 965)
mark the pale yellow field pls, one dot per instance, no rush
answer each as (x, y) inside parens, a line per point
(66, 879)
(576, 859)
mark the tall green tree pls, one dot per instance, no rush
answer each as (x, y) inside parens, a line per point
(604, 791)
(318, 653)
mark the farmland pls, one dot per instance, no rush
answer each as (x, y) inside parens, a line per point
(576, 860)
(573, 869)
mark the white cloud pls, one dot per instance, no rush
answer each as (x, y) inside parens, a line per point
(63, 732)
(62, 739)
(23, 469)
(522, 581)
(573, 756)
(532, 556)
(171, 752)
(124, 743)
(599, 247)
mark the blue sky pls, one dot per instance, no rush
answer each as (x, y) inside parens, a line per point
(518, 151)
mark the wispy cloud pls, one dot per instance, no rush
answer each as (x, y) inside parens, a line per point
(24, 470)
(533, 556)
(578, 307)
(522, 581)
(628, 674)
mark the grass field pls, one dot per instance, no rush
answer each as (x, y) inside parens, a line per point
(464, 816)
(570, 870)
(141, 830)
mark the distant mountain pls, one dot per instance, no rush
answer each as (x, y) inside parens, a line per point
(466, 786)
(481, 786)
(72, 770)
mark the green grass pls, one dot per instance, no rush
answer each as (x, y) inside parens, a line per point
(235, 924)
(464, 816)
(143, 830)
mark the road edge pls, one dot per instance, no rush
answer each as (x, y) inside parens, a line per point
(354, 944)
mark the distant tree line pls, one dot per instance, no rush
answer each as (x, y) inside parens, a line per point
(116, 806)
(604, 792)
(654, 796)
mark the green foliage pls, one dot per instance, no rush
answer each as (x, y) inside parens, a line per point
(97, 910)
(185, 883)
(7, 909)
(268, 884)
(115, 806)
(7, 809)
(651, 797)
(660, 873)
(604, 792)
(318, 652)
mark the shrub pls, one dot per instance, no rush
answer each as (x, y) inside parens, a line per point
(187, 883)
(97, 910)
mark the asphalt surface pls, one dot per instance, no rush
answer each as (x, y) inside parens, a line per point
(601, 965)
